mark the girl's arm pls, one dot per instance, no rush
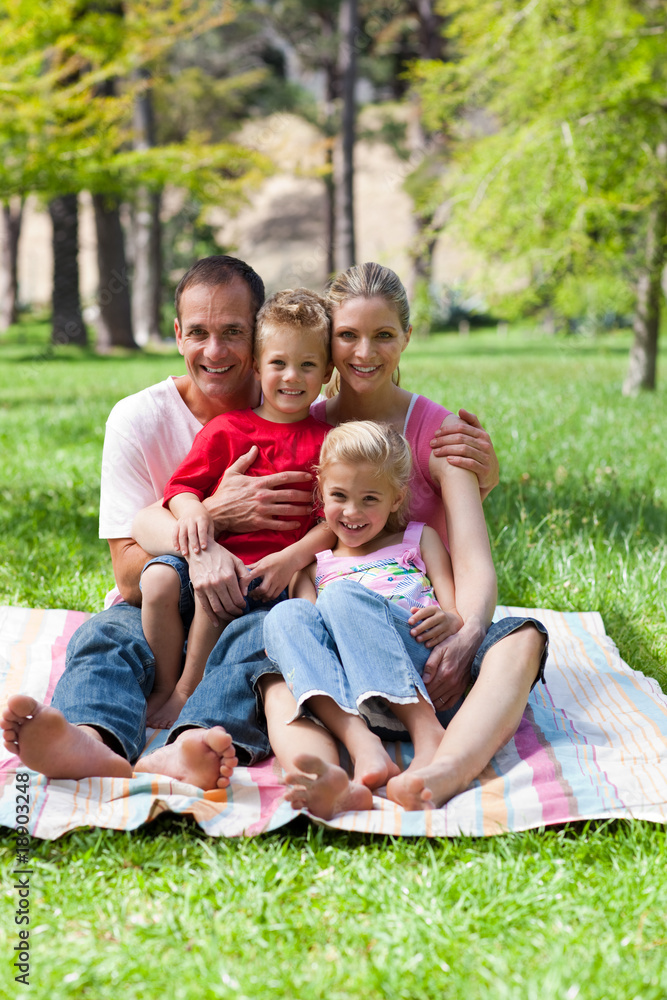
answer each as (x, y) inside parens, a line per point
(447, 671)
(433, 624)
(303, 584)
(278, 568)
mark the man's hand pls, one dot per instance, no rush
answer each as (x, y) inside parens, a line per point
(252, 503)
(432, 624)
(447, 671)
(217, 578)
(465, 443)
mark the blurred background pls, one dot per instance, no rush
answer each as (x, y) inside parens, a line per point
(508, 160)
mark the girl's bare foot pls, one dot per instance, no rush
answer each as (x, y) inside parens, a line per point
(375, 767)
(46, 742)
(428, 788)
(324, 789)
(202, 757)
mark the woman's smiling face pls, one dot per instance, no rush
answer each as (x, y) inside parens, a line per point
(367, 342)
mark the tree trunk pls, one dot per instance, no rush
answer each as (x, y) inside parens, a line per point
(146, 291)
(115, 320)
(10, 230)
(644, 350)
(67, 323)
(347, 63)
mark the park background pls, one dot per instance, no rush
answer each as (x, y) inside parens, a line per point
(509, 161)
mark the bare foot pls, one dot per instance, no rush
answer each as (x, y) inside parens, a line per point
(46, 742)
(324, 789)
(202, 757)
(163, 712)
(428, 788)
(425, 745)
(374, 767)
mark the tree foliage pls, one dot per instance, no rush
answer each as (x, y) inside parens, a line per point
(559, 110)
(64, 127)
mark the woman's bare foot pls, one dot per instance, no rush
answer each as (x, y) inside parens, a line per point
(428, 788)
(324, 789)
(163, 712)
(46, 742)
(202, 757)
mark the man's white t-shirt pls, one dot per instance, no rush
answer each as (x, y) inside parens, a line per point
(147, 437)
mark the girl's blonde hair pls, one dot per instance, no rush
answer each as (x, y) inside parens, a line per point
(368, 281)
(364, 441)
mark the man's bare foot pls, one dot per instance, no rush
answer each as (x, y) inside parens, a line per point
(163, 712)
(46, 742)
(428, 788)
(202, 757)
(324, 789)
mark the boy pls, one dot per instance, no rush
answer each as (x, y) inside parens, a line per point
(291, 361)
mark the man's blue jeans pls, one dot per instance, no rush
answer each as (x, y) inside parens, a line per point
(110, 671)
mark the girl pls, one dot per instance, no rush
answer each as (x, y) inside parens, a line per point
(349, 648)
(370, 331)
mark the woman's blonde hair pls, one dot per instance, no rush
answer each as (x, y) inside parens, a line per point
(364, 441)
(368, 281)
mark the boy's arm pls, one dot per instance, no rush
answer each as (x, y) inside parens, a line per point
(153, 530)
(278, 568)
(303, 584)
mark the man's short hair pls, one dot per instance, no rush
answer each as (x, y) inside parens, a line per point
(220, 269)
(298, 308)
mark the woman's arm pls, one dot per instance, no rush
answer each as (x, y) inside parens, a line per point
(464, 443)
(447, 671)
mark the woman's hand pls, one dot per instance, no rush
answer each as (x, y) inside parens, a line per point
(432, 624)
(447, 671)
(465, 443)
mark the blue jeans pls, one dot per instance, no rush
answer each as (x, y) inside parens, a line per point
(110, 671)
(355, 646)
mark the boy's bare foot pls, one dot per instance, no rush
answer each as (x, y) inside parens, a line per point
(324, 789)
(46, 742)
(202, 757)
(163, 712)
(428, 788)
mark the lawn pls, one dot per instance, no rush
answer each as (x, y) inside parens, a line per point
(579, 521)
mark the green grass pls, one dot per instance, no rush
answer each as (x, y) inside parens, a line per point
(579, 521)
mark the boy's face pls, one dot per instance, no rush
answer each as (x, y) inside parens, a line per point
(292, 366)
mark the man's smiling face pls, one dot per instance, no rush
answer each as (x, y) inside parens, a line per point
(214, 335)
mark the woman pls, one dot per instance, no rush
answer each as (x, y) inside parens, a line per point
(370, 331)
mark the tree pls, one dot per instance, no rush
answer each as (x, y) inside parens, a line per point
(66, 127)
(560, 115)
(11, 214)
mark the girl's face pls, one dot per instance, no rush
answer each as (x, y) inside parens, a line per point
(357, 502)
(367, 342)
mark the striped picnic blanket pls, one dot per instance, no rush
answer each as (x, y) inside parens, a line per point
(592, 744)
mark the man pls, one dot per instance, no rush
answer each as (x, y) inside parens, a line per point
(96, 725)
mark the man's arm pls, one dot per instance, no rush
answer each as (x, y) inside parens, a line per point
(252, 503)
(128, 559)
(464, 443)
